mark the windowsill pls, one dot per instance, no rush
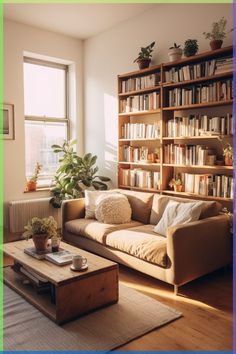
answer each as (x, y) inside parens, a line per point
(38, 190)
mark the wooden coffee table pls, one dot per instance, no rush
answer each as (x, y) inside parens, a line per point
(76, 293)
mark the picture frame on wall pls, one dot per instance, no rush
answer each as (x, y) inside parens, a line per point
(8, 129)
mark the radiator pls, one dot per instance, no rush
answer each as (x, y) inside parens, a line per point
(21, 211)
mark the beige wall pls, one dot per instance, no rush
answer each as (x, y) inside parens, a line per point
(112, 53)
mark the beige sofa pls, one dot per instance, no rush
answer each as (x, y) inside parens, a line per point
(188, 252)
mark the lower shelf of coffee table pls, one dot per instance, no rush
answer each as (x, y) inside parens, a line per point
(40, 301)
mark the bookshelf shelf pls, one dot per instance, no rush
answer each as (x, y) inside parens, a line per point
(199, 105)
(199, 80)
(169, 118)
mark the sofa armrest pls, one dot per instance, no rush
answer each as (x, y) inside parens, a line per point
(72, 209)
(199, 247)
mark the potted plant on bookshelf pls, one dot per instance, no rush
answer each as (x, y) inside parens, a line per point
(144, 56)
(217, 34)
(41, 230)
(32, 182)
(175, 52)
(228, 155)
(190, 47)
(177, 184)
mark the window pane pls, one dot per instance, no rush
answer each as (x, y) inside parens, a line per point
(39, 137)
(44, 91)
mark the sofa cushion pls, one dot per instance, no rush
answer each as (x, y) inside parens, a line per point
(91, 200)
(140, 242)
(210, 208)
(95, 230)
(113, 209)
(141, 204)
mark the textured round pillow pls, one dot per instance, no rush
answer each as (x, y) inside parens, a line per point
(113, 209)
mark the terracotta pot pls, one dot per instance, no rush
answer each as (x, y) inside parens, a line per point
(143, 63)
(40, 242)
(31, 186)
(228, 161)
(175, 54)
(178, 188)
(216, 44)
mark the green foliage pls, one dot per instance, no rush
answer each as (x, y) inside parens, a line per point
(75, 174)
(218, 31)
(37, 226)
(175, 182)
(145, 52)
(190, 47)
(228, 151)
(37, 170)
(175, 46)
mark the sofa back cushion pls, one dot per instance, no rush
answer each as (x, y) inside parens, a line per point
(141, 204)
(211, 208)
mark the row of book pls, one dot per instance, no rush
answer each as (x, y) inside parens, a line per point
(134, 154)
(140, 131)
(198, 125)
(200, 70)
(140, 82)
(138, 103)
(208, 184)
(188, 155)
(140, 178)
(204, 93)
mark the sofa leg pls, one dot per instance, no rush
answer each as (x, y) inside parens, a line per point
(176, 288)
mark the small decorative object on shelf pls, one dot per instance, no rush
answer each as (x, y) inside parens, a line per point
(228, 154)
(32, 182)
(144, 57)
(41, 230)
(217, 34)
(190, 47)
(175, 52)
(177, 184)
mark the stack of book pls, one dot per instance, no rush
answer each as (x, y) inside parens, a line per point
(204, 93)
(208, 185)
(134, 154)
(140, 178)
(140, 83)
(196, 71)
(138, 103)
(140, 131)
(187, 154)
(197, 125)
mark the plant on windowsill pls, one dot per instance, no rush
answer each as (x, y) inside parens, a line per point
(32, 182)
(228, 155)
(74, 175)
(217, 34)
(144, 56)
(41, 230)
(177, 184)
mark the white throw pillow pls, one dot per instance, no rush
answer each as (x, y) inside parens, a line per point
(178, 213)
(90, 202)
(113, 209)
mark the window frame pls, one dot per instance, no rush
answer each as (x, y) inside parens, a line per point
(47, 119)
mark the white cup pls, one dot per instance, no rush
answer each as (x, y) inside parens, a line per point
(79, 261)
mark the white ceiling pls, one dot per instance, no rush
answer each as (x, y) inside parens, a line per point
(76, 20)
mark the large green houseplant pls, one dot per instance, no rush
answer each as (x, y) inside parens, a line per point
(75, 174)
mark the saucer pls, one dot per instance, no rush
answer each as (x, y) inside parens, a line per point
(79, 269)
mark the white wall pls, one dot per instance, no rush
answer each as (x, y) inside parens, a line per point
(112, 53)
(19, 38)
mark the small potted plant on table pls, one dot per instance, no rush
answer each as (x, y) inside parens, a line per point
(41, 230)
(177, 184)
(217, 34)
(175, 52)
(228, 155)
(32, 182)
(144, 56)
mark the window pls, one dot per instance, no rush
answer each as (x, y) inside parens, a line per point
(46, 119)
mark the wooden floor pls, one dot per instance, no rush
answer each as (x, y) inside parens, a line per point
(206, 305)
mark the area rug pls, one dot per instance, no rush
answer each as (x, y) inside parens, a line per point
(26, 328)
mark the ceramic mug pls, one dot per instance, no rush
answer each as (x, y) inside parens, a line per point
(79, 261)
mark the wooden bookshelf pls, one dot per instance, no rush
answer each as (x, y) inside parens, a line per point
(165, 113)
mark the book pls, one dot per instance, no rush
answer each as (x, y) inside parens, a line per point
(32, 252)
(60, 258)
